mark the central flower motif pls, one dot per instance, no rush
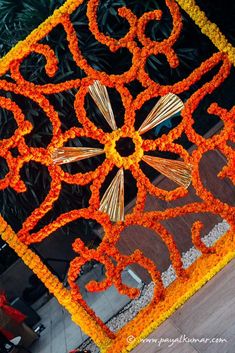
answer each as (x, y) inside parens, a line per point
(114, 155)
(125, 158)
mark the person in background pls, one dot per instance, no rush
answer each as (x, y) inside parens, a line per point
(7, 311)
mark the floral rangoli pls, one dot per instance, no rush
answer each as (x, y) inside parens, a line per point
(108, 210)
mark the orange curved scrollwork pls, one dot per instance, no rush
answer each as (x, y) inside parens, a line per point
(107, 252)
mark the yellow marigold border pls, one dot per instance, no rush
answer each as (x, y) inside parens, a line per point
(210, 29)
(21, 48)
(199, 273)
(177, 294)
(63, 295)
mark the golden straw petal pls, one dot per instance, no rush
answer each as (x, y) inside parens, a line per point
(166, 107)
(65, 155)
(100, 96)
(112, 202)
(179, 172)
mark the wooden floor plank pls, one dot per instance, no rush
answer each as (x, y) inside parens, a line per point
(164, 340)
(210, 313)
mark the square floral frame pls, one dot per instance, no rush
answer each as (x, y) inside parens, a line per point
(212, 259)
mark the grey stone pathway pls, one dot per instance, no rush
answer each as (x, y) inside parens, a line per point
(61, 335)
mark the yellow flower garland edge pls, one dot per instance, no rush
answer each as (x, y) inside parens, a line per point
(181, 290)
(63, 295)
(211, 30)
(22, 47)
(199, 273)
(176, 294)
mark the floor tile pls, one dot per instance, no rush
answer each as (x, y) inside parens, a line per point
(210, 311)
(166, 339)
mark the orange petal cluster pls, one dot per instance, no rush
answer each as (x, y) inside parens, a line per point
(107, 253)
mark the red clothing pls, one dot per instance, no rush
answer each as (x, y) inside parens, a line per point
(14, 314)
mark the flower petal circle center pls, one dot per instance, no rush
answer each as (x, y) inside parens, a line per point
(112, 153)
